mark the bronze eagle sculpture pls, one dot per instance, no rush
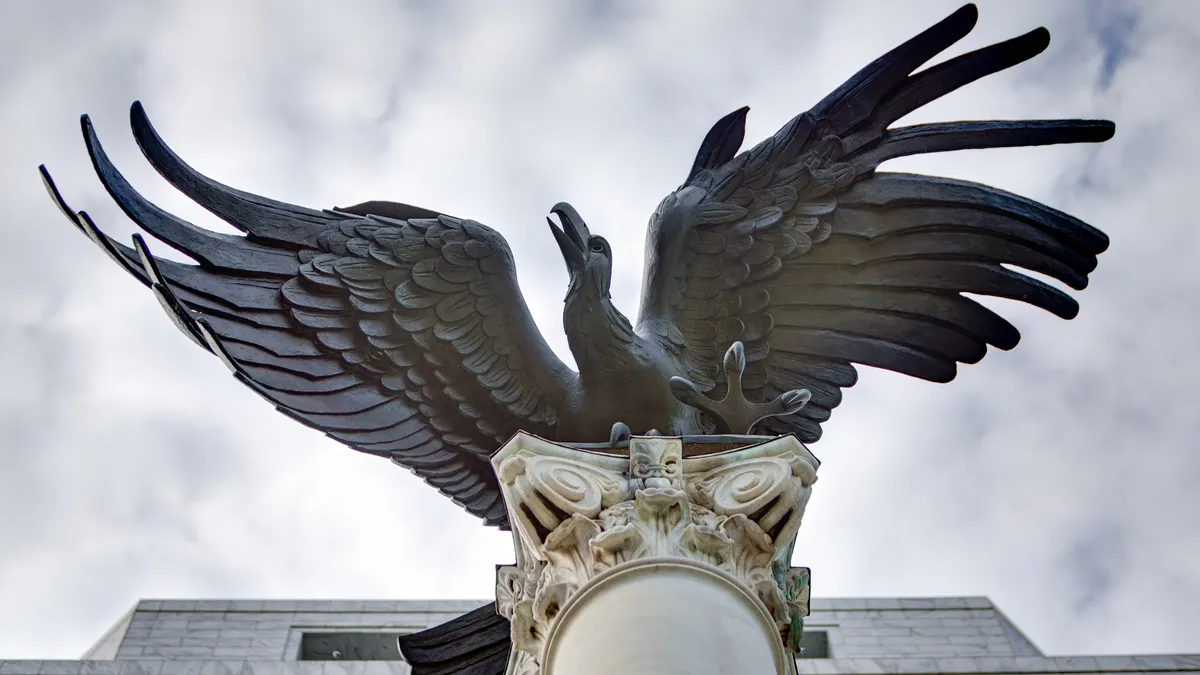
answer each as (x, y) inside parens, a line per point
(401, 331)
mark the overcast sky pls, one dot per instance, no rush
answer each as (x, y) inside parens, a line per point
(1060, 479)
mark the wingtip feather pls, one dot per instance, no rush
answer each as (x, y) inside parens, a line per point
(858, 96)
(144, 132)
(139, 122)
(81, 220)
(968, 14)
(721, 143)
(951, 29)
(1038, 38)
(1102, 130)
(59, 201)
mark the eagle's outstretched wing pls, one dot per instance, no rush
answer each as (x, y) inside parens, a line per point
(396, 330)
(815, 261)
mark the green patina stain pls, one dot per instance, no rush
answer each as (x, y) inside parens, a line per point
(792, 588)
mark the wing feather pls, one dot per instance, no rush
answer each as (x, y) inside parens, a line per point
(800, 249)
(367, 323)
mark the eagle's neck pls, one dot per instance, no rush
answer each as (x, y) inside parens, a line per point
(600, 337)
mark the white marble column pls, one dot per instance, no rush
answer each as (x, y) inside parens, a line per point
(653, 564)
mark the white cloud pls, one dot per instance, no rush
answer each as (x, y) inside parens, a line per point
(1058, 479)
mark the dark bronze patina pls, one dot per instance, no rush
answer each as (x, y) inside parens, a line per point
(401, 331)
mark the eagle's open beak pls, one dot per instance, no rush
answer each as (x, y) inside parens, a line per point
(572, 237)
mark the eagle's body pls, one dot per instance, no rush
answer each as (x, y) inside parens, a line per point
(401, 331)
(622, 377)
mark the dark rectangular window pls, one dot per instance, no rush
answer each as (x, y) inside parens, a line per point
(815, 645)
(349, 647)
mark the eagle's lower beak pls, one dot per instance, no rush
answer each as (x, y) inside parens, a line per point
(572, 237)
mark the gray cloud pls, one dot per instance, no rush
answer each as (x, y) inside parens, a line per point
(1058, 478)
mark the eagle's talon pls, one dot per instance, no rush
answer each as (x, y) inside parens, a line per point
(734, 413)
(735, 361)
(620, 433)
(686, 392)
(791, 402)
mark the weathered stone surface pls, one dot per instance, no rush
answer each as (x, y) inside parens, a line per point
(581, 519)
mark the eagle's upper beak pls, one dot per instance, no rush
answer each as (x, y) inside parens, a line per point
(572, 237)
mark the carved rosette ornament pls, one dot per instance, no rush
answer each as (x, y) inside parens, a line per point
(579, 516)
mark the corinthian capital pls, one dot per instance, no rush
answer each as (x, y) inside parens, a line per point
(579, 516)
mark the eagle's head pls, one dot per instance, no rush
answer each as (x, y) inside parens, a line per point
(589, 258)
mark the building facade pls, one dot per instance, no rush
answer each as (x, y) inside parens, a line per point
(345, 637)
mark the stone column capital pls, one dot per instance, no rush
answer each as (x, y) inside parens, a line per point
(577, 515)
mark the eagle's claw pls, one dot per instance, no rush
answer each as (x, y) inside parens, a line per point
(734, 414)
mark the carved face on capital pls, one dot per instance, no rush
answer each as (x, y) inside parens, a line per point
(656, 462)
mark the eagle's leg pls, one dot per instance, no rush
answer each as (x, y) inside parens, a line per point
(734, 414)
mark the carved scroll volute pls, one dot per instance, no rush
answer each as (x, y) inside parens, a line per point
(547, 490)
(772, 491)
